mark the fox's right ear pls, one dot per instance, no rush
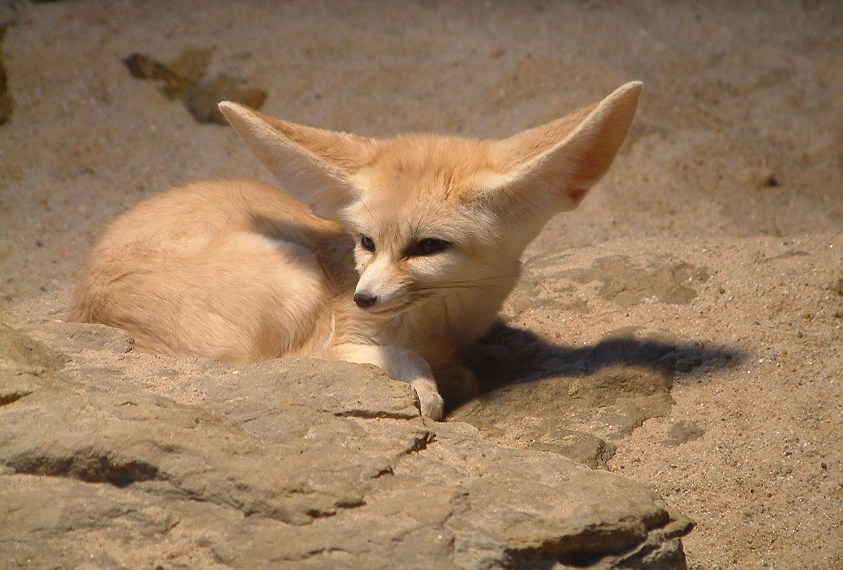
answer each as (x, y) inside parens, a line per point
(312, 164)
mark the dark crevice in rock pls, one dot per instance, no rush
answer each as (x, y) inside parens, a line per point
(421, 442)
(91, 467)
(343, 504)
(580, 551)
(656, 555)
(631, 544)
(372, 415)
(385, 471)
(7, 398)
(662, 550)
(323, 551)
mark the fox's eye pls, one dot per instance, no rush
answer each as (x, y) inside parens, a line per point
(367, 243)
(428, 246)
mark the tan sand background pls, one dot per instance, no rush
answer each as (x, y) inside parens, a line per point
(734, 167)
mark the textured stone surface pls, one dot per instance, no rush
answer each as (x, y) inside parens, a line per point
(288, 463)
(579, 401)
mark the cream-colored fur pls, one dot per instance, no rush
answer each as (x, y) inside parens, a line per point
(393, 252)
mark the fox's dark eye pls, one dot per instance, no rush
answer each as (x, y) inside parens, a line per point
(428, 246)
(367, 243)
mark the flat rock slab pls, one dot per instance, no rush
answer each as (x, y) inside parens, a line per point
(580, 401)
(288, 463)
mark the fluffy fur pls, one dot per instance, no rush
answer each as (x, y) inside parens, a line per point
(396, 252)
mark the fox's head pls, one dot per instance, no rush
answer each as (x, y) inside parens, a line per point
(432, 215)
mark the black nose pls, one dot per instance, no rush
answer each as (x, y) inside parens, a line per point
(364, 301)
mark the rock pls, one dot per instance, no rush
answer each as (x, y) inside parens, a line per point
(577, 415)
(291, 463)
(202, 99)
(185, 78)
(581, 401)
(626, 283)
(683, 432)
(571, 401)
(73, 338)
(19, 350)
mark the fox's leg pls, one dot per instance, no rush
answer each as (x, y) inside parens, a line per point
(399, 364)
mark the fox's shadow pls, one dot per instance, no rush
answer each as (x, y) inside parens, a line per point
(507, 356)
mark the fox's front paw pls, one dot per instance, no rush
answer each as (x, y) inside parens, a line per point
(432, 405)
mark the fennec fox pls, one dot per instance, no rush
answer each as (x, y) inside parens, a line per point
(394, 252)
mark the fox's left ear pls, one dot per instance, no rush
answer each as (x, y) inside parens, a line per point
(314, 165)
(550, 168)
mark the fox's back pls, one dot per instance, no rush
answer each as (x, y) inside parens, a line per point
(216, 268)
(204, 209)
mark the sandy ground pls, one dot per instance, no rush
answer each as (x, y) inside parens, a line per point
(735, 164)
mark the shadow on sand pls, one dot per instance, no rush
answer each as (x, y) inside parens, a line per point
(507, 356)
(579, 401)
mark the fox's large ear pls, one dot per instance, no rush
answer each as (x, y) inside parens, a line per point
(550, 168)
(313, 165)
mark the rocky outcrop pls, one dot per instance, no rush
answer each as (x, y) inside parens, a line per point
(110, 458)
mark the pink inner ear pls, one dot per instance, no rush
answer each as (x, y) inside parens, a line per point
(576, 194)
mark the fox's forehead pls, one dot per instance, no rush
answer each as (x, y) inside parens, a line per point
(425, 168)
(420, 186)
